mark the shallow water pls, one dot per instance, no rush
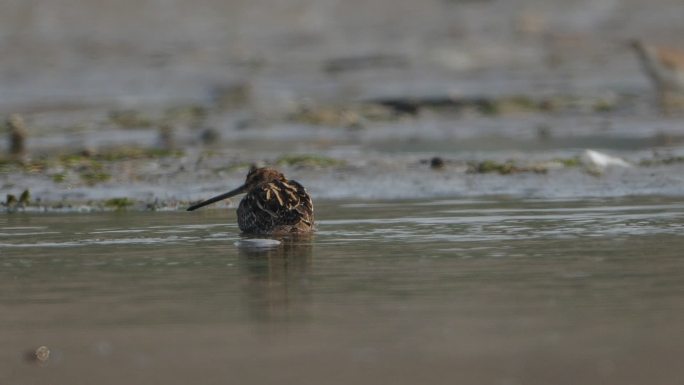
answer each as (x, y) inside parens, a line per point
(474, 291)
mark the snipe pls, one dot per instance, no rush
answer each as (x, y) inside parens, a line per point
(273, 204)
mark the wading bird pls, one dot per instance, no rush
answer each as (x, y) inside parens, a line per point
(273, 204)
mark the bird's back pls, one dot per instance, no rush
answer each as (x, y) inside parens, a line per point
(276, 207)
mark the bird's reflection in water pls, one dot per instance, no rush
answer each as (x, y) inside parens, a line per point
(276, 280)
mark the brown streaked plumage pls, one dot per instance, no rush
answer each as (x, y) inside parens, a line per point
(273, 204)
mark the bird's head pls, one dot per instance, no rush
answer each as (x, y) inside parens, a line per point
(256, 177)
(261, 175)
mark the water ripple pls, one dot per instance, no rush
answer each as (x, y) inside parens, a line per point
(417, 223)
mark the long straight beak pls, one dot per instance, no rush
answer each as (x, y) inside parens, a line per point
(239, 190)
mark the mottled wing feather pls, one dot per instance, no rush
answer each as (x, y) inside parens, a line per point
(277, 206)
(305, 207)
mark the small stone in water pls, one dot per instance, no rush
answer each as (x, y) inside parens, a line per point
(436, 163)
(40, 355)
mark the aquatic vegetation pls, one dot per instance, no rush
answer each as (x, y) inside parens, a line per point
(25, 197)
(118, 203)
(90, 166)
(35, 167)
(505, 168)
(662, 161)
(304, 160)
(5, 164)
(11, 202)
(93, 173)
(508, 167)
(604, 105)
(569, 162)
(489, 166)
(92, 178)
(511, 105)
(59, 177)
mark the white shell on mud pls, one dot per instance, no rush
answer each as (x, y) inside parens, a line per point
(596, 159)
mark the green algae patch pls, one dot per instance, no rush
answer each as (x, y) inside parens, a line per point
(59, 177)
(502, 168)
(118, 204)
(490, 166)
(30, 167)
(12, 203)
(6, 164)
(89, 166)
(94, 177)
(510, 105)
(25, 197)
(569, 162)
(604, 105)
(662, 162)
(304, 160)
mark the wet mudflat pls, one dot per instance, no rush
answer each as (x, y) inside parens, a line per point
(499, 195)
(496, 291)
(176, 105)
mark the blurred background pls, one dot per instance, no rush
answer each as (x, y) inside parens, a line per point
(129, 52)
(318, 84)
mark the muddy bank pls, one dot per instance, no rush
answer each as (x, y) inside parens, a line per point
(166, 157)
(156, 108)
(158, 180)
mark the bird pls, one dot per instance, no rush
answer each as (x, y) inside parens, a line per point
(273, 204)
(665, 67)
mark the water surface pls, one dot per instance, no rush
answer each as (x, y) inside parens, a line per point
(455, 291)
